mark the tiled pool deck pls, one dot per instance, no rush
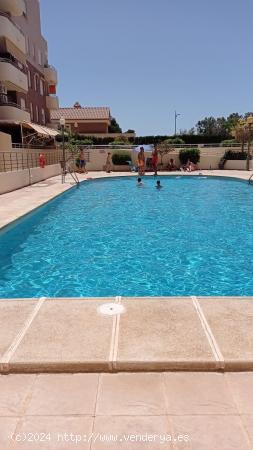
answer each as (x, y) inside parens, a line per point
(71, 335)
(141, 411)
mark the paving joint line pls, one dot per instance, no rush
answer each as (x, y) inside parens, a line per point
(4, 361)
(115, 338)
(219, 358)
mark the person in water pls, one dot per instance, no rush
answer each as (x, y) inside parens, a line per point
(140, 182)
(158, 184)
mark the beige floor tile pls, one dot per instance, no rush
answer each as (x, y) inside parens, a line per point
(130, 433)
(241, 385)
(67, 332)
(248, 424)
(54, 433)
(162, 333)
(7, 430)
(231, 320)
(198, 393)
(64, 394)
(14, 314)
(211, 433)
(131, 394)
(15, 391)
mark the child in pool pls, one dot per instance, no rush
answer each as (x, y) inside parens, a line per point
(140, 182)
(158, 185)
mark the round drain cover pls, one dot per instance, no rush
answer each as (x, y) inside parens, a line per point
(111, 309)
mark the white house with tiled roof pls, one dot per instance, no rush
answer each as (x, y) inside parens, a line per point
(83, 120)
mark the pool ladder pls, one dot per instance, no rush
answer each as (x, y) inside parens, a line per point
(251, 179)
(72, 172)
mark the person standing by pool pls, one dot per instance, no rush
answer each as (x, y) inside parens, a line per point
(141, 161)
(82, 162)
(155, 160)
(108, 163)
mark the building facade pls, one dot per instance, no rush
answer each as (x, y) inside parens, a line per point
(27, 82)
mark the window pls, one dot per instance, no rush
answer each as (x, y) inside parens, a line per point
(27, 45)
(39, 57)
(41, 87)
(31, 110)
(33, 51)
(37, 113)
(36, 82)
(29, 79)
(43, 118)
(22, 103)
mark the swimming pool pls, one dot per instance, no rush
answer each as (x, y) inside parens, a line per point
(109, 237)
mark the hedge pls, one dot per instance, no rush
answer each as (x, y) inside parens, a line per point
(121, 159)
(238, 156)
(193, 154)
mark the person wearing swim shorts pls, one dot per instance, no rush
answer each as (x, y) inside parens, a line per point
(82, 162)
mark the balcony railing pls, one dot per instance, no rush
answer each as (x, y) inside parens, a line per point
(14, 62)
(13, 105)
(4, 14)
(13, 7)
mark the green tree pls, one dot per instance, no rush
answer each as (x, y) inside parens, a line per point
(114, 127)
(232, 120)
(206, 126)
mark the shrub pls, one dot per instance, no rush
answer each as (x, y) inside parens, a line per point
(228, 142)
(121, 159)
(86, 141)
(120, 142)
(175, 141)
(189, 153)
(241, 156)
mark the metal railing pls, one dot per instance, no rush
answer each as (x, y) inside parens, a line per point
(31, 146)
(15, 161)
(176, 146)
(5, 14)
(12, 104)
(49, 66)
(27, 159)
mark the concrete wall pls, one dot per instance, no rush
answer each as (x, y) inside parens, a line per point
(5, 142)
(237, 165)
(10, 181)
(209, 159)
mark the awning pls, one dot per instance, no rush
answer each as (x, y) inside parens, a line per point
(41, 130)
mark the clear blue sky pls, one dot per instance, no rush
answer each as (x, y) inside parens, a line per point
(146, 58)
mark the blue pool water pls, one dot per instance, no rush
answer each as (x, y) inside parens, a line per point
(109, 237)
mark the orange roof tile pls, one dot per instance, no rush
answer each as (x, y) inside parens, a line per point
(87, 113)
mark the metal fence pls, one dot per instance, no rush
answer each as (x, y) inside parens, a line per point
(176, 146)
(20, 160)
(27, 159)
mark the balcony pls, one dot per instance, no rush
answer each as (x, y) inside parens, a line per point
(13, 112)
(51, 75)
(52, 102)
(13, 7)
(12, 77)
(10, 32)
